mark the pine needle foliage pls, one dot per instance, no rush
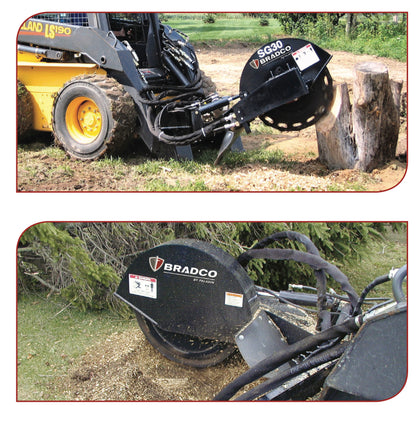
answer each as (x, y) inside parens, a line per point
(84, 262)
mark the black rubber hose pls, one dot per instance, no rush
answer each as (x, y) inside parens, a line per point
(324, 317)
(243, 259)
(316, 262)
(398, 280)
(283, 356)
(168, 98)
(193, 86)
(378, 281)
(321, 358)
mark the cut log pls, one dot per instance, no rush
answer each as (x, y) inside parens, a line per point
(336, 146)
(375, 116)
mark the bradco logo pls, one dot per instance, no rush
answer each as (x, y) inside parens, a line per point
(156, 263)
(189, 271)
(255, 63)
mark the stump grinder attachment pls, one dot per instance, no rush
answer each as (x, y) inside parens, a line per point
(196, 305)
(100, 80)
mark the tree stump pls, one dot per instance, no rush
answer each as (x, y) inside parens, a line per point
(375, 116)
(336, 147)
(365, 135)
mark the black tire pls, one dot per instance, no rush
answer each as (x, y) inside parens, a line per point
(24, 112)
(110, 117)
(185, 349)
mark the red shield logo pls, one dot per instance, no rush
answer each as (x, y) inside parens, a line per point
(255, 63)
(156, 263)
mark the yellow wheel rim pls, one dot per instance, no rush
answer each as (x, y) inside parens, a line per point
(83, 120)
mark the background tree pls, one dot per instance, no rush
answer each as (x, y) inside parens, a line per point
(84, 262)
(351, 23)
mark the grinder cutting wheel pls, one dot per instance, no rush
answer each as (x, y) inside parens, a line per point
(287, 84)
(196, 304)
(193, 301)
(308, 62)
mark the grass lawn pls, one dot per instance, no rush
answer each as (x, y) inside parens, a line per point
(50, 337)
(377, 260)
(225, 29)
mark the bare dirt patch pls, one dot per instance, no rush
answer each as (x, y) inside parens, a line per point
(125, 367)
(39, 171)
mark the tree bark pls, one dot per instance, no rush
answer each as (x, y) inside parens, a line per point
(375, 116)
(351, 23)
(336, 146)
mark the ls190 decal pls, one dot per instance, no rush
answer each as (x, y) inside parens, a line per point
(48, 30)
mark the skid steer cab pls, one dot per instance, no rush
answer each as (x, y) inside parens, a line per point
(196, 304)
(101, 81)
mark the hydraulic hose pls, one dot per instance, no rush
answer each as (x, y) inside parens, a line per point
(190, 89)
(319, 359)
(324, 317)
(379, 280)
(397, 285)
(283, 356)
(170, 96)
(243, 259)
(316, 262)
(398, 280)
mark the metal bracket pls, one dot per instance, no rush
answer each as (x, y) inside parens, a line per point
(260, 339)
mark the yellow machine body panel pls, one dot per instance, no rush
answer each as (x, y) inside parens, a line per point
(43, 80)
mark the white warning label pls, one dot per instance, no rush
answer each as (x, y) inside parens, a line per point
(305, 57)
(233, 299)
(143, 286)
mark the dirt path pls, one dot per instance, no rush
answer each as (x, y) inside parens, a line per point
(39, 171)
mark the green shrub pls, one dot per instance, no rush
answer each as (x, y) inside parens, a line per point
(208, 18)
(371, 33)
(68, 266)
